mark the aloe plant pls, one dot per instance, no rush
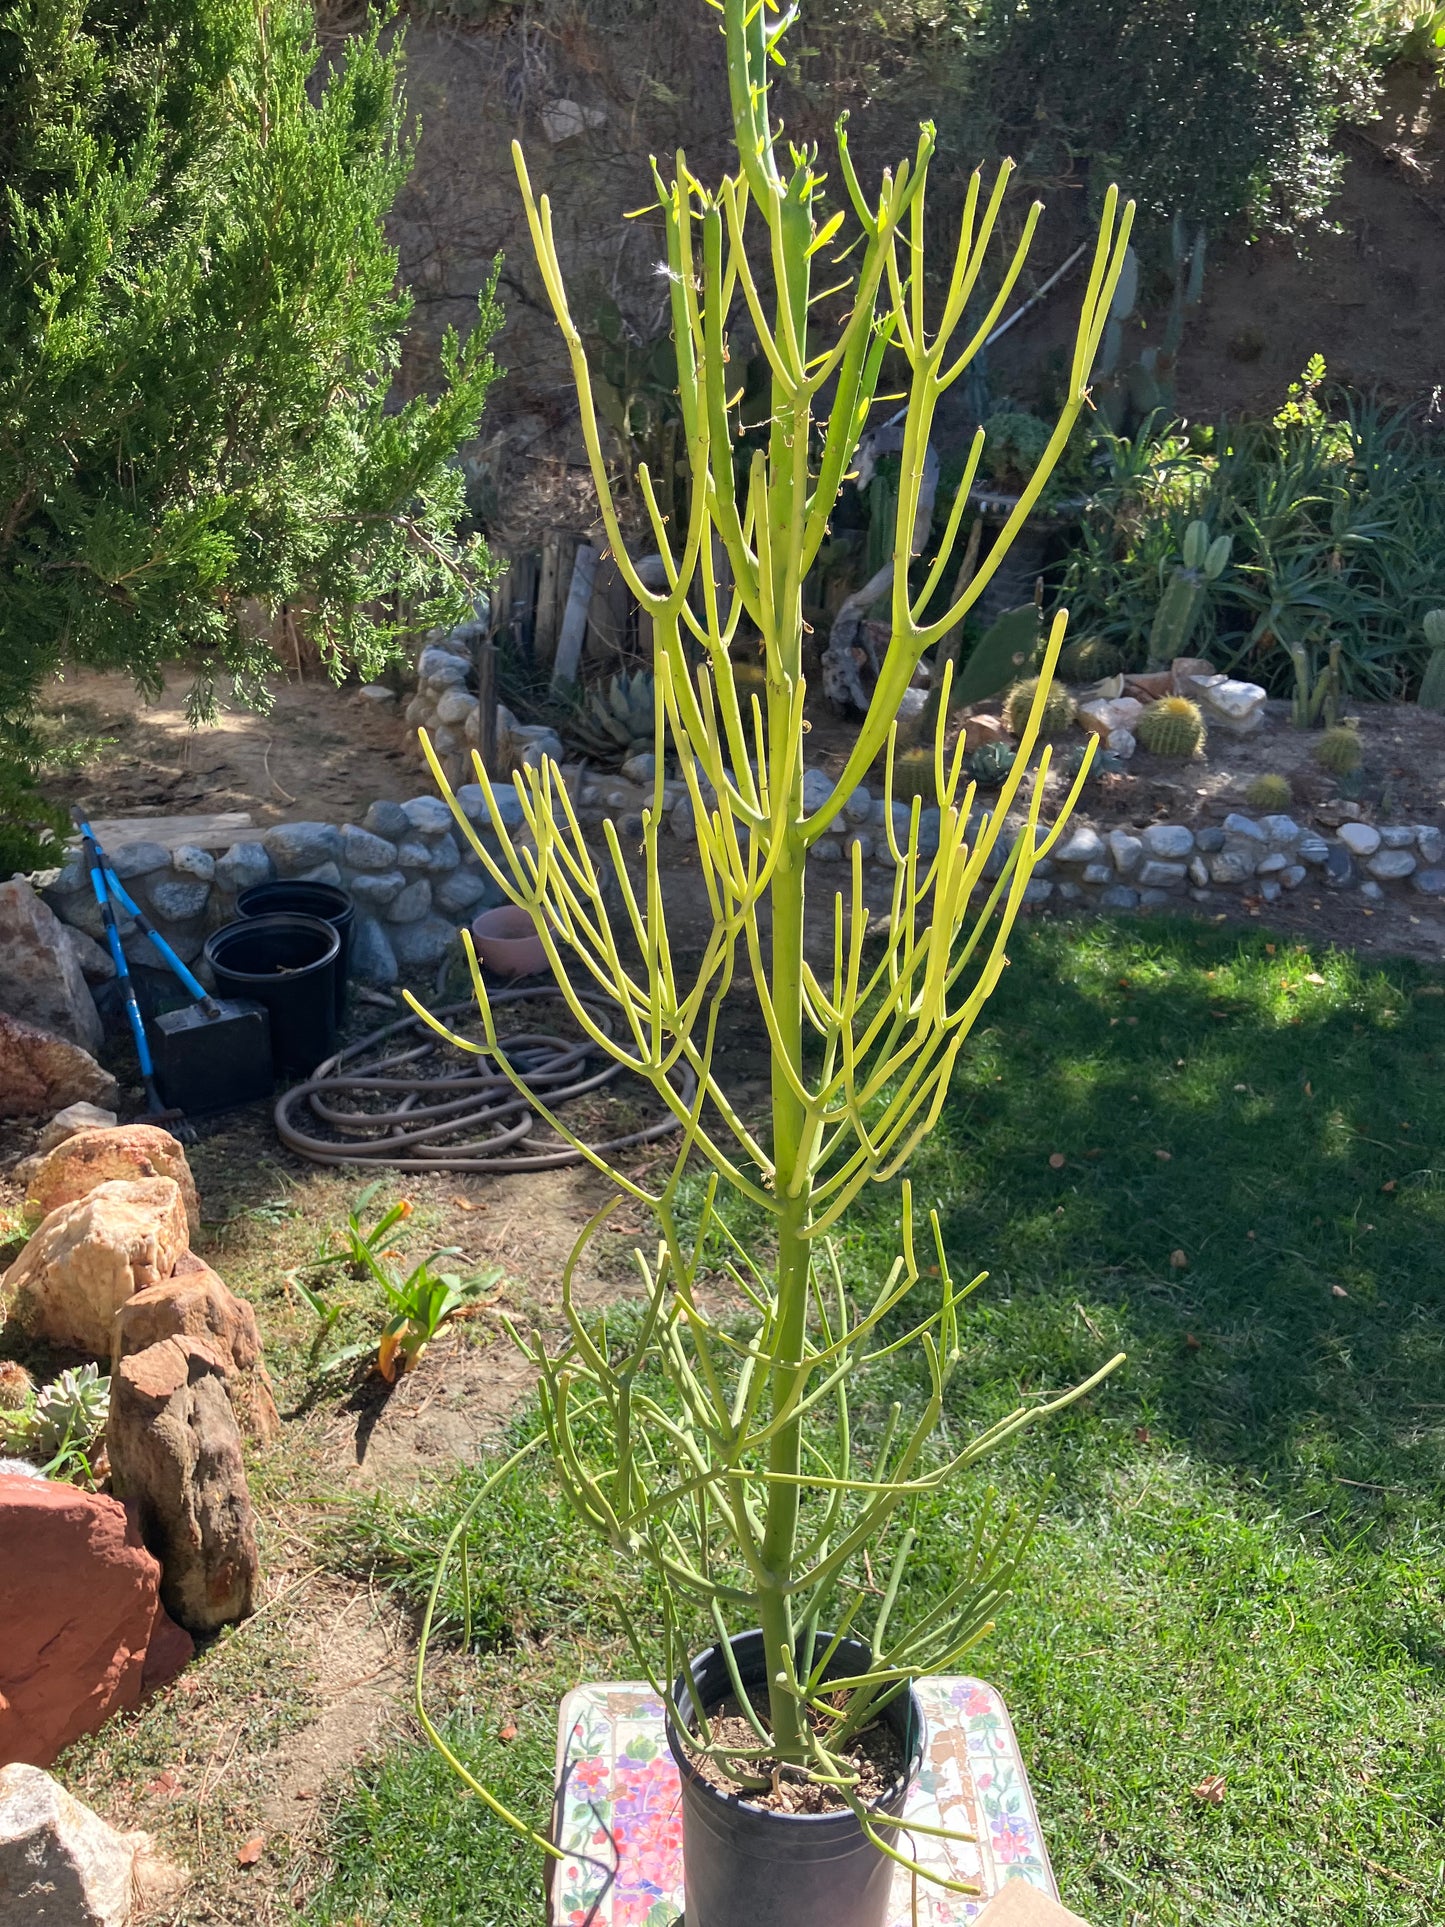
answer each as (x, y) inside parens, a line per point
(729, 1461)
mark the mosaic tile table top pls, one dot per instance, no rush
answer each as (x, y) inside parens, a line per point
(619, 1820)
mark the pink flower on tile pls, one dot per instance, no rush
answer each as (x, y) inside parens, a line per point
(1012, 1839)
(589, 1775)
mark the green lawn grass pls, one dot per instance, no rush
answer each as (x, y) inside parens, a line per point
(1223, 1156)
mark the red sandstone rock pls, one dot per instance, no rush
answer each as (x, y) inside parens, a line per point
(40, 1072)
(87, 1158)
(84, 1632)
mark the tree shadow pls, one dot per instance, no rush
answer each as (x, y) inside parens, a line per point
(1225, 1151)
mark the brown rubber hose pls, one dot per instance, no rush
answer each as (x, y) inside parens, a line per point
(480, 1096)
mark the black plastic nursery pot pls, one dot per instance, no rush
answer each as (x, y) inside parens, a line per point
(324, 900)
(745, 1867)
(288, 964)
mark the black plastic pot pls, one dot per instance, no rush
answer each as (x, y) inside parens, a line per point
(287, 963)
(744, 1867)
(322, 900)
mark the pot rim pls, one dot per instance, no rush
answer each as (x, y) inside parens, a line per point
(257, 926)
(836, 1816)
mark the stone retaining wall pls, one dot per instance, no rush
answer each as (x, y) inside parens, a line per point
(414, 880)
(411, 875)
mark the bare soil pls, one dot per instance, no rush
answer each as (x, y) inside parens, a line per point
(876, 1756)
(321, 754)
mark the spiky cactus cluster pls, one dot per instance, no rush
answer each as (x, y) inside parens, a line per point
(1172, 726)
(1269, 792)
(1059, 715)
(1339, 751)
(17, 1387)
(913, 775)
(1090, 659)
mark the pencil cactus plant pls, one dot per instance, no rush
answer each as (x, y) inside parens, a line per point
(729, 1463)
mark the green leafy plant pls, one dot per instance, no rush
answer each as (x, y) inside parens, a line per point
(728, 1461)
(990, 763)
(1334, 516)
(615, 721)
(1172, 726)
(61, 1425)
(421, 1300)
(1013, 446)
(199, 325)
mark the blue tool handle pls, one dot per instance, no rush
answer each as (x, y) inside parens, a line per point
(147, 929)
(108, 880)
(122, 969)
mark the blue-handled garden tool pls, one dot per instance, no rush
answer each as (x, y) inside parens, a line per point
(213, 1054)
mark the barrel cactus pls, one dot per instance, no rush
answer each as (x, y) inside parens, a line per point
(1269, 792)
(1059, 714)
(1090, 659)
(1172, 726)
(913, 775)
(1339, 751)
(17, 1387)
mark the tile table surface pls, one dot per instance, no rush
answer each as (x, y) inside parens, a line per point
(619, 1821)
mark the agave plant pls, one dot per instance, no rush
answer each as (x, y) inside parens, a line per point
(617, 721)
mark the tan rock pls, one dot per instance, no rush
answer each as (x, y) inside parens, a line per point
(87, 1258)
(983, 729)
(40, 1072)
(64, 1124)
(1102, 717)
(1184, 669)
(175, 1453)
(87, 1158)
(1149, 686)
(194, 1303)
(60, 1862)
(40, 978)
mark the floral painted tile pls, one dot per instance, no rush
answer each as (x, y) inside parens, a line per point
(619, 1821)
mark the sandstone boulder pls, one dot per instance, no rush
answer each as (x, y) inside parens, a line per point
(62, 1865)
(85, 1634)
(41, 979)
(40, 1072)
(64, 1124)
(87, 1158)
(175, 1453)
(194, 1303)
(87, 1258)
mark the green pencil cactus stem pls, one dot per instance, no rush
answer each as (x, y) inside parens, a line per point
(747, 1487)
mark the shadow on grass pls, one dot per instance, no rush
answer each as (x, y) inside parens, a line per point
(1224, 1155)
